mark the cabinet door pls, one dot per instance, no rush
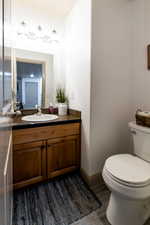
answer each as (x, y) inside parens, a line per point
(63, 155)
(29, 163)
(5, 100)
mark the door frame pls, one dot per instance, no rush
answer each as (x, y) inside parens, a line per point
(33, 80)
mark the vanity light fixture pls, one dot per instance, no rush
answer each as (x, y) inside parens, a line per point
(37, 34)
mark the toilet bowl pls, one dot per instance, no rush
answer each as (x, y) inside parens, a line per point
(128, 178)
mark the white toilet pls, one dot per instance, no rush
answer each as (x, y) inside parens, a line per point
(128, 178)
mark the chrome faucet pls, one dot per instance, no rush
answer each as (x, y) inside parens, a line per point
(39, 111)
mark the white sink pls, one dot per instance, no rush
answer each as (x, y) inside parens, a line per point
(39, 118)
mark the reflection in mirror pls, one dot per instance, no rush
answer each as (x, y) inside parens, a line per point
(7, 55)
(7, 77)
(1, 83)
(1, 61)
(29, 84)
(34, 79)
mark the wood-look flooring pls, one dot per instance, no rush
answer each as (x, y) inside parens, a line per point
(95, 217)
(61, 201)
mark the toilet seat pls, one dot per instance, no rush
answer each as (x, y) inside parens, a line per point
(128, 170)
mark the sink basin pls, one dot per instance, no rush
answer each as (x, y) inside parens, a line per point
(40, 118)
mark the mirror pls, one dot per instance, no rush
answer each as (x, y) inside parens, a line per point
(33, 79)
(37, 75)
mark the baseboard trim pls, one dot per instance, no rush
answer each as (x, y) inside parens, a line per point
(93, 180)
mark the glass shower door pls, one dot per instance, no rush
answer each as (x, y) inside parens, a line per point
(5, 128)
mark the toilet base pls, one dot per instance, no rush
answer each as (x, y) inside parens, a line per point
(122, 211)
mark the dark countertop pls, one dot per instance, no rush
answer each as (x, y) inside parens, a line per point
(73, 117)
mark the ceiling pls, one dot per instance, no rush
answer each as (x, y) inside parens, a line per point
(55, 9)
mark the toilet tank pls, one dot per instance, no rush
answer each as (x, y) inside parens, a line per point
(141, 140)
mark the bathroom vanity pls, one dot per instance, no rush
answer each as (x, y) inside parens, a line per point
(45, 150)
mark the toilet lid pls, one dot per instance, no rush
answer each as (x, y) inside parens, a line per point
(129, 169)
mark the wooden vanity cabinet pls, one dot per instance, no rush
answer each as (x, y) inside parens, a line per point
(45, 152)
(63, 155)
(29, 163)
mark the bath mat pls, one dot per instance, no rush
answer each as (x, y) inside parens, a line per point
(61, 201)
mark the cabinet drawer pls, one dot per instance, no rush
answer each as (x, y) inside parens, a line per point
(43, 133)
(20, 147)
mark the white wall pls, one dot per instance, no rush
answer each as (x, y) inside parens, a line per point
(141, 35)
(59, 69)
(111, 79)
(78, 71)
